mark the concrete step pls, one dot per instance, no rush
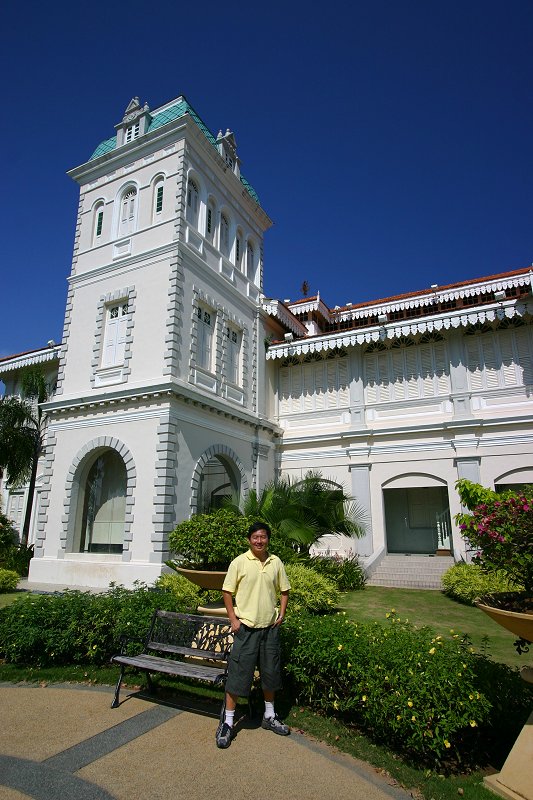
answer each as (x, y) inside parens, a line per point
(410, 572)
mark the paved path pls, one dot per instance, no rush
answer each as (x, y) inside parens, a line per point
(66, 743)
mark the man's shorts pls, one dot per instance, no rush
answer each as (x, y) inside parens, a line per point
(254, 647)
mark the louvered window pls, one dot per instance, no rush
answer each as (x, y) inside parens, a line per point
(314, 386)
(498, 359)
(205, 319)
(115, 335)
(406, 373)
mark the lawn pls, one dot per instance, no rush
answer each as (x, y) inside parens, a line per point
(423, 607)
(8, 597)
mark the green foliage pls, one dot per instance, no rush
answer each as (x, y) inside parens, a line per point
(187, 594)
(302, 512)
(428, 698)
(77, 627)
(467, 582)
(473, 494)
(12, 555)
(8, 580)
(210, 541)
(18, 559)
(500, 530)
(346, 573)
(8, 534)
(310, 591)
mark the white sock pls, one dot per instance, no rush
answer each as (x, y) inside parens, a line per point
(269, 710)
(229, 716)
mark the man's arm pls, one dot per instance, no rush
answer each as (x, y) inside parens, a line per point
(284, 599)
(230, 611)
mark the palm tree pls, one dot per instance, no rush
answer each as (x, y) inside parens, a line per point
(22, 436)
(306, 510)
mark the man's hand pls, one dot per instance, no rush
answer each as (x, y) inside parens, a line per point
(235, 624)
(279, 620)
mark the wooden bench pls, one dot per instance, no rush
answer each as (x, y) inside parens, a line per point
(185, 645)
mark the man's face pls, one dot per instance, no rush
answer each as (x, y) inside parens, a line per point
(259, 543)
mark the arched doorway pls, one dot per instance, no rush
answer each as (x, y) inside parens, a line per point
(219, 475)
(102, 505)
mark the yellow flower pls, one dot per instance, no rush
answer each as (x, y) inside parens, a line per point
(473, 723)
(432, 651)
(339, 647)
(413, 719)
(349, 665)
(410, 703)
(364, 698)
(446, 743)
(470, 696)
(398, 716)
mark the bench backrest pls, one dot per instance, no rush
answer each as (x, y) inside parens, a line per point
(208, 637)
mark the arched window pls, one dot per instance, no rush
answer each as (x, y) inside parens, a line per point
(158, 199)
(238, 249)
(224, 235)
(250, 261)
(98, 222)
(210, 221)
(128, 211)
(192, 203)
(219, 482)
(103, 503)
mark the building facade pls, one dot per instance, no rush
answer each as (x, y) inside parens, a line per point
(178, 383)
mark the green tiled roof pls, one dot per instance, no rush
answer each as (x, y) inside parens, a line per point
(163, 118)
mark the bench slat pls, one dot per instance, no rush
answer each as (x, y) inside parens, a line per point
(212, 655)
(166, 665)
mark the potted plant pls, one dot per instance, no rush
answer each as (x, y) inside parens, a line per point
(499, 528)
(205, 544)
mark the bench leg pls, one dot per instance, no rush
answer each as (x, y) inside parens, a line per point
(116, 701)
(149, 681)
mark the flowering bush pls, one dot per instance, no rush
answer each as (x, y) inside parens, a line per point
(500, 530)
(427, 696)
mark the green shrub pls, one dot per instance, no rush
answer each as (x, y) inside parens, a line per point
(8, 580)
(187, 594)
(310, 591)
(467, 582)
(420, 694)
(210, 541)
(78, 627)
(346, 573)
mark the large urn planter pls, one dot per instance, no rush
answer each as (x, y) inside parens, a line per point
(205, 579)
(515, 781)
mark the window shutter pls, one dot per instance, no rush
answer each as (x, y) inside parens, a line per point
(441, 368)
(296, 398)
(473, 360)
(525, 355)
(320, 384)
(344, 389)
(427, 371)
(384, 378)
(411, 373)
(490, 361)
(284, 390)
(397, 364)
(371, 378)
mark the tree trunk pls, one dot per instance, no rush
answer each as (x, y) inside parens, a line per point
(29, 503)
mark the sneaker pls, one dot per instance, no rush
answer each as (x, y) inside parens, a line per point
(275, 725)
(224, 735)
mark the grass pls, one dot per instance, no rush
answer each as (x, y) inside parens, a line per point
(8, 597)
(435, 609)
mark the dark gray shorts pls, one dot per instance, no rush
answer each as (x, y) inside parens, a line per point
(254, 647)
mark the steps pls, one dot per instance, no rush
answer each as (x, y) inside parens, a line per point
(410, 571)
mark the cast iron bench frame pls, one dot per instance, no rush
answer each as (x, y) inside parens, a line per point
(185, 645)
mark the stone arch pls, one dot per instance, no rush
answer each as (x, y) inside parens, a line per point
(73, 484)
(229, 459)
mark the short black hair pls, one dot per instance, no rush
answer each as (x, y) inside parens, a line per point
(259, 526)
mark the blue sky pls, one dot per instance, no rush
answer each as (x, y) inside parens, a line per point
(389, 140)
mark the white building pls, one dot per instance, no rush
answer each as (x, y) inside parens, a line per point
(178, 381)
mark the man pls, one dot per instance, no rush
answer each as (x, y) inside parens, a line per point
(256, 578)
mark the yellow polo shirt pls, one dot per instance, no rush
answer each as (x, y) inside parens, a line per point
(256, 585)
